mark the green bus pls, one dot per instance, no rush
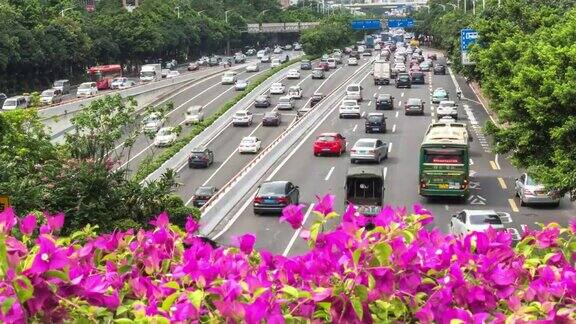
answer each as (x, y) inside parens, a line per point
(444, 161)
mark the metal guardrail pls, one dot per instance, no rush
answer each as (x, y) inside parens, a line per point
(276, 150)
(218, 126)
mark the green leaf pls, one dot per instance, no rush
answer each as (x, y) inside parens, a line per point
(123, 321)
(58, 274)
(547, 257)
(3, 256)
(196, 297)
(357, 305)
(383, 251)
(293, 292)
(172, 284)
(371, 282)
(361, 292)
(314, 230)
(259, 291)
(7, 304)
(121, 310)
(167, 303)
(23, 292)
(356, 256)
(408, 235)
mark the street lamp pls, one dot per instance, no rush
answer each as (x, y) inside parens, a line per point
(177, 8)
(228, 37)
(64, 10)
(260, 14)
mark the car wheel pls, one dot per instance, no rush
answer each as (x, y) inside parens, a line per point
(516, 193)
(256, 212)
(556, 204)
(316, 154)
(340, 116)
(522, 203)
(352, 161)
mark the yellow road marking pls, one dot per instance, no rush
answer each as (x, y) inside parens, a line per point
(502, 183)
(513, 205)
(493, 165)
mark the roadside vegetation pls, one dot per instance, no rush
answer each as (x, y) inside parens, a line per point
(397, 272)
(42, 41)
(526, 66)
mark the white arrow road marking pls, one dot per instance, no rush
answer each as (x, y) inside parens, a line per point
(475, 185)
(477, 200)
(471, 162)
(472, 173)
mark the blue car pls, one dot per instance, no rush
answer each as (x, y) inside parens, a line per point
(439, 95)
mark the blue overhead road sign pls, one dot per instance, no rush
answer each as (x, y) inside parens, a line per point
(468, 36)
(401, 23)
(366, 24)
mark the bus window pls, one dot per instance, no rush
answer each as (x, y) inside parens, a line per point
(443, 156)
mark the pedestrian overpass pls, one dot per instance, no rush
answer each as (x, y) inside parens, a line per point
(386, 3)
(279, 27)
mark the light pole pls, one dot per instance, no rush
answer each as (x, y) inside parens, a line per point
(228, 36)
(64, 10)
(177, 8)
(260, 14)
(474, 7)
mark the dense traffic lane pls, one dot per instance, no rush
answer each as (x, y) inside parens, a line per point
(228, 162)
(327, 174)
(212, 95)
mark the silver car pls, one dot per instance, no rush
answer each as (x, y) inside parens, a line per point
(285, 103)
(369, 149)
(531, 192)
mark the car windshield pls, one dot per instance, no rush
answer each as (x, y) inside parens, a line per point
(277, 85)
(284, 100)
(262, 98)
(241, 81)
(85, 86)
(403, 77)
(375, 118)
(47, 93)
(58, 83)
(439, 92)
(271, 188)
(353, 88)
(241, 114)
(447, 104)
(364, 144)
(151, 119)
(485, 219)
(248, 140)
(326, 138)
(164, 132)
(413, 101)
(229, 74)
(204, 191)
(10, 103)
(194, 110)
(530, 181)
(270, 115)
(350, 103)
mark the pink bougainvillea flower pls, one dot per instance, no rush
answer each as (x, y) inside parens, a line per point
(27, 224)
(161, 221)
(244, 242)
(324, 204)
(191, 225)
(502, 276)
(293, 215)
(547, 237)
(49, 257)
(7, 220)
(55, 222)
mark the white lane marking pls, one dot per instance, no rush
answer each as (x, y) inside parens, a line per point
(397, 113)
(380, 87)
(297, 232)
(496, 161)
(363, 113)
(354, 129)
(432, 114)
(399, 102)
(329, 174)
(394, 128)
(374, 95)
(385, 172)
(247, 203)
(447, 207)
(390, 147)
(402, 95)
(369, 103)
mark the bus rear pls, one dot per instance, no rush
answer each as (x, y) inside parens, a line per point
(444, 170)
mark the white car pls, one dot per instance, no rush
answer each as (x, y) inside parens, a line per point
(87, 89)
(468, 221)
(354, 92)
(295, 92)
(229, 77)
(166, 136)
(349, 108)
(285, 103)
(399, 68)
(297, 47)
(241, 85)
(293, 74)
(253, 67)
(275, 62)
(277, 88)
(265, 59)
(153, 122)
(352, 61)
(117, 82)
(250, 144)
(332, 63)
(242, 118)
(194, 114)
(447, 108)
(277, 50)
(172, 74)
(127, 84)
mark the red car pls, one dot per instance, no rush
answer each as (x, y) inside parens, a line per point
(330, 143)
(432, 56)
(324, 66)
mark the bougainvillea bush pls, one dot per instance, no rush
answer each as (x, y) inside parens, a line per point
(395, 270)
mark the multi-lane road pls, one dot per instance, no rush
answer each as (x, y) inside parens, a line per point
(492, 177)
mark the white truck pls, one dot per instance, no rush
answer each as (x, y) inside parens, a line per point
(151, 72)
(381, 72)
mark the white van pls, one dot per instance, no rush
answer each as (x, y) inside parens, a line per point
(14, 103)
(354, 92)
(332, 63)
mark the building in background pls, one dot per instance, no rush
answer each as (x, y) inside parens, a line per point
(285, 3)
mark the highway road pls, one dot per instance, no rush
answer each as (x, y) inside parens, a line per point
(492, 177)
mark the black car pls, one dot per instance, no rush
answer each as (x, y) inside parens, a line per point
(414, 106)
(262, 101)
(375, 123)
(200, 158)
(384, 101)
(316, 99)
(439, 69)
(273, 196)
(403, 80)
(305, 65)
(418, 78)
(355, 54)
(271, 118)
(202, 195)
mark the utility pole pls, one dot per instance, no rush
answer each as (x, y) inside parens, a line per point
(474, 7)
(227, 38)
